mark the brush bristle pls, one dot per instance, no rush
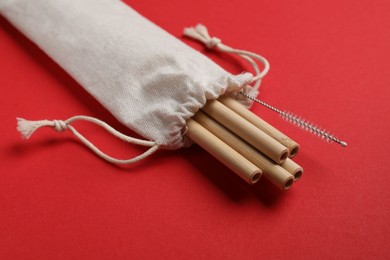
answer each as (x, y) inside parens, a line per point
(307, 126)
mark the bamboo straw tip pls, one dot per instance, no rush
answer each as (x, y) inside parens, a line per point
(298, 174)
(294, 151)
(283, 156)
(256, 177)
(288, 183)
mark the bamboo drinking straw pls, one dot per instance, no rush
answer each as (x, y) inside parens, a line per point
(247, 131)
(293, 168)
(292, 146)
(224, 153)
(275, 173)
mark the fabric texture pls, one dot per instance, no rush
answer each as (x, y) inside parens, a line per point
(149, 80)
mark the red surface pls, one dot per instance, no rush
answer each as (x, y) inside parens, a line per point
(329, 63)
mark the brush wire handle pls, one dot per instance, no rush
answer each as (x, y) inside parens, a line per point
(300, 122)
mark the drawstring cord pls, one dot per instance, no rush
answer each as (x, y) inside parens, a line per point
(27, 128)
(201, 34)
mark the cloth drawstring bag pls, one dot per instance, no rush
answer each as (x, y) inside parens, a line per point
(148, 79)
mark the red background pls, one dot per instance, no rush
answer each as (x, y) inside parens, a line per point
(329, 63)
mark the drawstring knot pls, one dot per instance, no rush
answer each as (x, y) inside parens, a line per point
(200, 33)
(59, 125)
(213, 42)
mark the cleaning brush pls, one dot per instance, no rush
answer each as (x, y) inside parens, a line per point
(300, 122)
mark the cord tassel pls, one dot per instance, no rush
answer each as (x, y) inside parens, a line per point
(27, 127)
